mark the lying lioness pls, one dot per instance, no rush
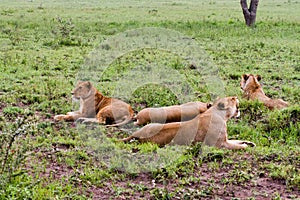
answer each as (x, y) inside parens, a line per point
(169, 114)
(208, 127)
(253, 90)
(94, 107)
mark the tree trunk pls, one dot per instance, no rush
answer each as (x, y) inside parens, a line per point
(249, 13)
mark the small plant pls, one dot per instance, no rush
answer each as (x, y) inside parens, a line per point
(14, 143)
(63, 33)
(12, 111)
(64, 27)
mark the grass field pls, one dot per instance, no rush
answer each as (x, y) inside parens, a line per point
(46, 46)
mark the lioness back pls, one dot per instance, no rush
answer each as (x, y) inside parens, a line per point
(169, 114)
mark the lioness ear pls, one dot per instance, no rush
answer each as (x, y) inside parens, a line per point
(258, 77)
(221, 106)
(234, 99)
(245, 76)
(89, 84)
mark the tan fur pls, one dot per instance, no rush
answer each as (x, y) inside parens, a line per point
(208, 127)
(94, 107)
(253, 90)
(169, 114)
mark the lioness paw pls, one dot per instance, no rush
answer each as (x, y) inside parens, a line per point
(59, 117)
(249, 143)
(86, 120)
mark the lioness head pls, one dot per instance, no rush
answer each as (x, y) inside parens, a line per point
(250, 80)
(231, 105)
(82, 90)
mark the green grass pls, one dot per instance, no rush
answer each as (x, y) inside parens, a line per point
(46, 46)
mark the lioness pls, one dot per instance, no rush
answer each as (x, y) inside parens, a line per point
(253, 90)
(208, 127)
(169, 114)
(94, 107)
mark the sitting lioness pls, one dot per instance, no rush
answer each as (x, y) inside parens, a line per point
(208, 127)
(94, 107)
(169, 114)
(253, 90)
